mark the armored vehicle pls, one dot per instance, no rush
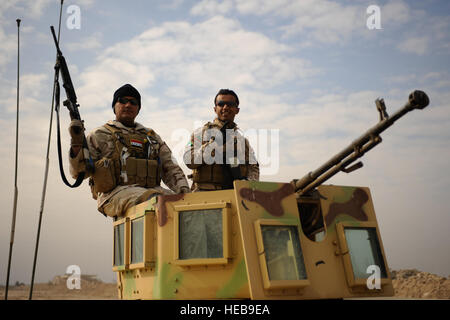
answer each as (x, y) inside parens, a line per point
(260, 240)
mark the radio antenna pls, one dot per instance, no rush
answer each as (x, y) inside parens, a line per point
(13, 224)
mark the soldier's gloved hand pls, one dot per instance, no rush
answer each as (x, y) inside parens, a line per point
(185, 190)
(76, 130)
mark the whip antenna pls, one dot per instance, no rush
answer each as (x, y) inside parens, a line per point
(47, 161)
(13, 224)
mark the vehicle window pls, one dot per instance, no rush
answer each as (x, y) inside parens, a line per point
(284, 257)
(364, 250)
(118, 244)
(200, 234)
(137, 238)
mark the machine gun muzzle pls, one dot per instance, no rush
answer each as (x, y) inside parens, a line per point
(418, 100)
(341, 161)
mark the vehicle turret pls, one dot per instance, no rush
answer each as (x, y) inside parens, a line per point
(260, 240)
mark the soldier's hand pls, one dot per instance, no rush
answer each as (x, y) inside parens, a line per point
(76, 130)
(185, 190)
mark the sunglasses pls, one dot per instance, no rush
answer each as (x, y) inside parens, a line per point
(132, 101)
(228, 103)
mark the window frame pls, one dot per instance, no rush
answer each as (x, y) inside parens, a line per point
(345, 253)
(126, 244)
(226, 229)
(277, 284)
(149, 241)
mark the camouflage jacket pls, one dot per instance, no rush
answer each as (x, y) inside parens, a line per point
(203, 142)
(102, 144)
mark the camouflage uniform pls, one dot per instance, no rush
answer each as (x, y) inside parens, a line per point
(102, 144)
(209, 176)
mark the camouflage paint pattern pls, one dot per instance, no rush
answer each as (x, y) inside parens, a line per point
(163, 278)
(240, 276)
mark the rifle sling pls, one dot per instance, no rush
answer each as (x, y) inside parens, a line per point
(81, 175)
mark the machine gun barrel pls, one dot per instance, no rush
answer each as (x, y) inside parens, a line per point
(367, 141)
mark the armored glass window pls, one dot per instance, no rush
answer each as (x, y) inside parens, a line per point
(364, 248)
(284, 257)
(137, 237)
(119, 233)
(200, 234)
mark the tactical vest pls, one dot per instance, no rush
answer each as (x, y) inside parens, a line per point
(135, 160)
(214, 173)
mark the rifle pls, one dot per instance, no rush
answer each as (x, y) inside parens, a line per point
(341, 161)
(72, 106)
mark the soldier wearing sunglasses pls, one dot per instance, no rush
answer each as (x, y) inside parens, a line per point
(130, 160)
(218, 153)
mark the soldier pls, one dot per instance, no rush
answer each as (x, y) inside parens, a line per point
(130, 159)
(218, 153)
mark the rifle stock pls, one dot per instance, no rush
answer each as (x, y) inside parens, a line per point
(340, 162)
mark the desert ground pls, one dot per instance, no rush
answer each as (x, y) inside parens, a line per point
(90, 289)
(408, 284)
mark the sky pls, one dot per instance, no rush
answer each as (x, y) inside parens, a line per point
(307, 74)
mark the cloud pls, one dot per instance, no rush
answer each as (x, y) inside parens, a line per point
(8, 49)
(91, 42)
(177, 92)
(261, 7)
(435, 80)
(416, 45)
(6, 5)
(208, 7)
(173, 4)
(36, 8)
(325, 22)
(30, 9)
(82, 3)
(100, 81)
(395, 12)
(320, 21)
(190, 56)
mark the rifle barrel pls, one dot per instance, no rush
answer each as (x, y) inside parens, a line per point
(67, 80)
(56, 41)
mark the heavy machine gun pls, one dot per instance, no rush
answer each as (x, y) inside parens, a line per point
(341, 161)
